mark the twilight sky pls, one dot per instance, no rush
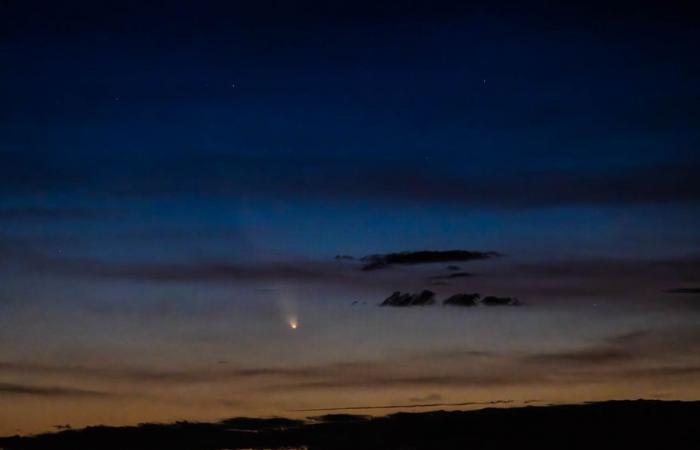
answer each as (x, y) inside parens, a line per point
(176, 181)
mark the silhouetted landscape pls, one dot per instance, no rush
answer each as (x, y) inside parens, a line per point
(614, 424)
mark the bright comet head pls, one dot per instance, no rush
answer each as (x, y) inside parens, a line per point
(293, 324)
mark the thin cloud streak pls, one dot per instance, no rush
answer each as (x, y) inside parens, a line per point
(49, 391)
(411, 405)
(36, 213)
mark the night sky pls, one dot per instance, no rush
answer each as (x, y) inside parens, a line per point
(177, 179)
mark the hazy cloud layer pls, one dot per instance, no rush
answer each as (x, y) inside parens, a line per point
(687, 267)
(235, 175)
(632, 281)
(669, 355)
(660, 355)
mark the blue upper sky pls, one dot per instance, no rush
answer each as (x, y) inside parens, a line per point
(359, 108)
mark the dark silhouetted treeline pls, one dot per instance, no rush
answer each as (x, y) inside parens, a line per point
(614, 425)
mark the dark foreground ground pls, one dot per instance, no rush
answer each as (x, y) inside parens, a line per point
(614, 425)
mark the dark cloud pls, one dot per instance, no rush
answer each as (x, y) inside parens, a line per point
(399, 299)
(427, 297)
(462, 300)
(500, 301)
(378, 261)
